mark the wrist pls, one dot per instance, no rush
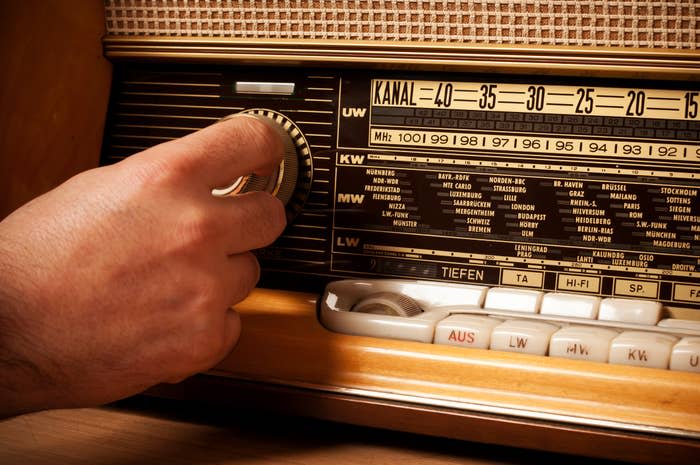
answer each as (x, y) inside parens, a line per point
(24, 386)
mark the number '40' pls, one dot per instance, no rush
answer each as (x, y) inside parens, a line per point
(443, 95)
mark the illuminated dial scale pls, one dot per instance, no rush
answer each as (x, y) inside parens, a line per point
(550, 99)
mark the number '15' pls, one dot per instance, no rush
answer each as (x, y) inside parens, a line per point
(691, 104)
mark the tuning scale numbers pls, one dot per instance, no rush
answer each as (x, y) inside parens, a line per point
(633, 103)
(586, 101)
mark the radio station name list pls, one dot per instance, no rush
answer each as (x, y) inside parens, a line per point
(584, 221)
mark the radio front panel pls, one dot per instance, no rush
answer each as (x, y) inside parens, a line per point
(569, 184)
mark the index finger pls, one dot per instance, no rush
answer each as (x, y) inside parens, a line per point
(221, 153)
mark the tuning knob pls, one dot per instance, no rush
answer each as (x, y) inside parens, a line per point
(283, 180)
(388, 303)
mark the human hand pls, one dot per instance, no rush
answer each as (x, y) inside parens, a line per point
(122, 277)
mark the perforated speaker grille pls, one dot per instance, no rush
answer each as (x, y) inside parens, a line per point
(632, 23)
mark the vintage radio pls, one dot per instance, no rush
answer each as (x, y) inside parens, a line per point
(494, 218)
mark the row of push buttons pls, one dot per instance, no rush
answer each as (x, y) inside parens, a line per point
(612, 330)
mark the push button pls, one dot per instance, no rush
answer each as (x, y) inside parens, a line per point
(679, 324)
(466, 331)
(420, 328)
(582, 343)
(561, 304)
(527, 337)
(686, 355)
(644, 312)
(642, 349)
(514, 300)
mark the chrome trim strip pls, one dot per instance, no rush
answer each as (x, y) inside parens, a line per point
(660, 64)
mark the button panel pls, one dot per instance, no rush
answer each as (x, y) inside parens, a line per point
(557, 324)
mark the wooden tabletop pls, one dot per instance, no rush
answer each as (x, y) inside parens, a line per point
(146, 431)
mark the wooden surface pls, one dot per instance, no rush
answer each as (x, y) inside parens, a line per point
(54, 88)
(147, 431)
(283, 342)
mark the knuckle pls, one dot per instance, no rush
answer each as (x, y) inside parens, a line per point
(199, 226)
(204, 352)
(176, 172)
(208, 294)
(260, 134)
(266, 217)
(164, 164)
(206, 342)
(247, 275)
(275, 214)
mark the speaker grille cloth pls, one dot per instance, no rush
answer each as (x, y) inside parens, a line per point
(633, 23)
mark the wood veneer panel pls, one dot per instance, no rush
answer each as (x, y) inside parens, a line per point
(54, 89)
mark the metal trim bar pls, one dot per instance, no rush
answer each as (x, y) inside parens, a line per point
(590, 61)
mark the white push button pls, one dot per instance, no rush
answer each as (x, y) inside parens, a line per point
(582, 343)
(646, 312)
(528, 337)
(679, 324)
(466, 331)
(686, 355)
(514, 300)
(640, 348)
(419, 328)
(562, 304)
